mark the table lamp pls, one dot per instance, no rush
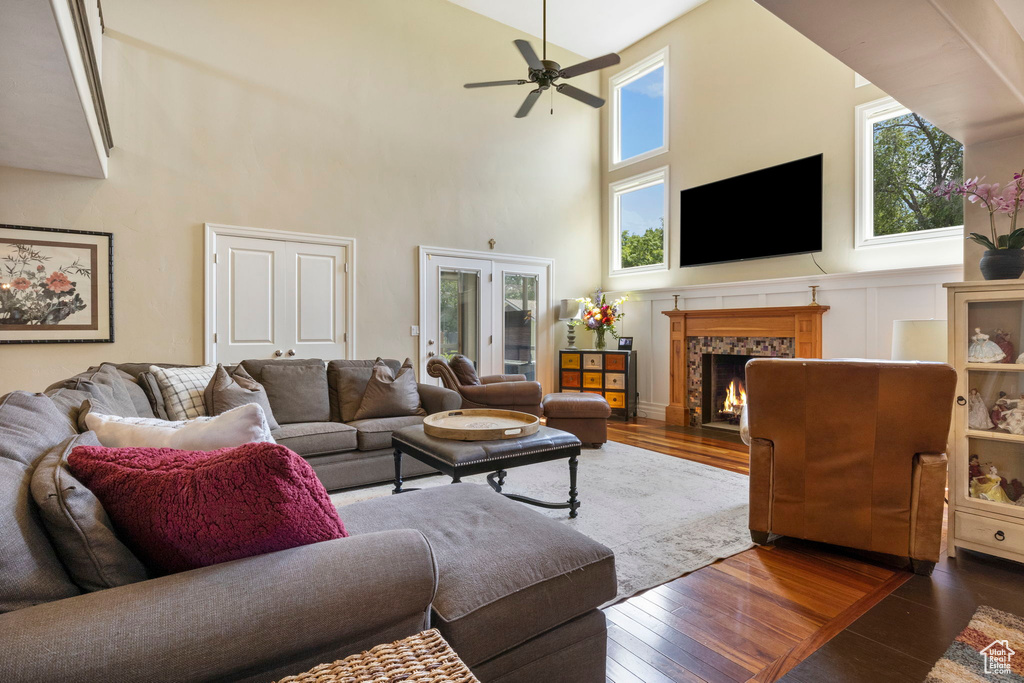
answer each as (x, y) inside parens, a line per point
(569, 311)
(919, 340)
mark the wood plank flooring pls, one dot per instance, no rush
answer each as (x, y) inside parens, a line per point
(752, 617)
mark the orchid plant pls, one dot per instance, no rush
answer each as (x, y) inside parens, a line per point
(1007, 201)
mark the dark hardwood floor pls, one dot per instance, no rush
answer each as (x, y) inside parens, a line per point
(795, 611)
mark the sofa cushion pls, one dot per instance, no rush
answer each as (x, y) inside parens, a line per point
(390, 393)
(81, 530)
(181, 510)
(316, 438)
(182, 390)
(464, 370)
(297, 393)
(229, 390)
(347, 380)
(241, 425)
(30, 425)
(140, 399)
(106, 384)
(69, 403)
(375, 433)
(505, 573)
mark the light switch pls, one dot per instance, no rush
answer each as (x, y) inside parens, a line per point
(414, 330)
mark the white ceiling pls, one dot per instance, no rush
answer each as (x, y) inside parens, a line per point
(587, 27)
(1014, 11)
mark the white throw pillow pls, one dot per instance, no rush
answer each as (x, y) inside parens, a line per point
(182, 389)
(241, 425)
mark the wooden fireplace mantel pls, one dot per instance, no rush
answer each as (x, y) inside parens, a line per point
(802, 323)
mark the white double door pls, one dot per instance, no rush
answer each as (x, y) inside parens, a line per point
(279, 299)
(496, 313)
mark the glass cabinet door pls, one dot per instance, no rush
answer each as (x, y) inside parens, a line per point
(990, 348)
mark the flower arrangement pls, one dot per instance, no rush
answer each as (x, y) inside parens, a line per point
(600, 316)
(1008, 201)
(34, 293)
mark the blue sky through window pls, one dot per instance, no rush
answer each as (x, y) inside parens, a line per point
(642, 114)
(642, 209)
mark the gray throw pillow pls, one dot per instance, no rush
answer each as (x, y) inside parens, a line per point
(390, 395)
(106, 385)
(138, 395)
(81, 531)
(30, 425)
(297, 393)
(346, 382)
(229, 390)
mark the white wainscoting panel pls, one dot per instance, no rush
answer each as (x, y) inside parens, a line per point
(858, 324)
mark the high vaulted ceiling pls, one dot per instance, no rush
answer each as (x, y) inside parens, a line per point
(587, 27)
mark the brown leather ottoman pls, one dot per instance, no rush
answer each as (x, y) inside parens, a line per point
(583, 415)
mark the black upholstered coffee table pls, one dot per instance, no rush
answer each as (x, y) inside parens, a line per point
(460, 459)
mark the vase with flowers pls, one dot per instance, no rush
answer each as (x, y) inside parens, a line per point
(600, 316)
(1004, 254)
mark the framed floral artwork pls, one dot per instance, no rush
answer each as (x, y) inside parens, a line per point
(56, 286)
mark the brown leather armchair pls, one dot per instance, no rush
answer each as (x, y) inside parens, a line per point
(507, 392)
(850, 453)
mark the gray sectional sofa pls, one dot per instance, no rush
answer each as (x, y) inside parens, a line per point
(514, 592)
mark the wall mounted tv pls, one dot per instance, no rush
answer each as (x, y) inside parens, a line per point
(770, 212)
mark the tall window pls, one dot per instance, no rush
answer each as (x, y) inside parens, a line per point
(900, 158)
(640, 110)
(639, 207)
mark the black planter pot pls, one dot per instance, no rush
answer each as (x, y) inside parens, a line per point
(1002, 264)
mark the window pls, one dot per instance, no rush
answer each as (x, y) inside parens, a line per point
(639, 206)
(640, 110)
(900, 158)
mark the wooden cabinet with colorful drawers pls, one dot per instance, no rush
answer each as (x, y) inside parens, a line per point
(611, 374)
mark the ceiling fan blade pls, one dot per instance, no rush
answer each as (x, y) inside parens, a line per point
(581, 95)
(527, 105)
(528, 54)
(489, 84)
(589, 65)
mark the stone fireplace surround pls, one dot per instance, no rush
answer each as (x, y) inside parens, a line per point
(771, 347)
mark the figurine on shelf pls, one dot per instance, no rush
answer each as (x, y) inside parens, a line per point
(977, 413)
(988, 487)
(1002, 340)
(1002, 405)
(1012, 420)
(974, 468)
(1013, 489)
(982, 350)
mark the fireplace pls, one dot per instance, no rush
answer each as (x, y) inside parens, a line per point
(723, 394)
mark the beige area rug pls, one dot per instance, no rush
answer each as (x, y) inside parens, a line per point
(991, 648)
(662, 516)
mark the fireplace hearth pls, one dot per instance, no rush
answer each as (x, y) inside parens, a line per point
(723, 394)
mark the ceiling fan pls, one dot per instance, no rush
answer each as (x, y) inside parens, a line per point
(544, 72)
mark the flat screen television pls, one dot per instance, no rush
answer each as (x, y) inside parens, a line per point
(774, 211)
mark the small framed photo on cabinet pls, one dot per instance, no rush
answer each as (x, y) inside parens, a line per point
(625, 343)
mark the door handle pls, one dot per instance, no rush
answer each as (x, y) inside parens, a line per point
(277, 353)
(291, 352)
(430, 354)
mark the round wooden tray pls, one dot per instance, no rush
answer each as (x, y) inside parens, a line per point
(480, 424)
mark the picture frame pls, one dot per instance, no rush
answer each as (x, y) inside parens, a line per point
(625, 343)
(56, 286)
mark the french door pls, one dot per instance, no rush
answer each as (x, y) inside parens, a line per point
(494, 312)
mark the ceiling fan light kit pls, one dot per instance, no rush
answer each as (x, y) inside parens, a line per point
(543, 73)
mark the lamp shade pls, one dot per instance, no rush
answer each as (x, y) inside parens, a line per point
(569, 310)
(919, 340)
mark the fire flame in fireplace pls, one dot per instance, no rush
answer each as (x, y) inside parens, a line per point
(735, 397)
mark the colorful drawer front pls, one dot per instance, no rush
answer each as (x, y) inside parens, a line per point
(616, 399)
(570, 379)
(593, 361)
(615, 380)
(571, 360)
(615, 361)
(592, 380)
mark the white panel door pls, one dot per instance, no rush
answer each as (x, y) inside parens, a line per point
(279, 299)
(251, 298)
(316, 290)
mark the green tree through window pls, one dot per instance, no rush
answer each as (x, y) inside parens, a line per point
(645, 249)
(910, 157)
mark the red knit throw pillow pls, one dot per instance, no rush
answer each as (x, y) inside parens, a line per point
(185, 509)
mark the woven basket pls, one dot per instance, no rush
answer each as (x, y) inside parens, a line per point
(422, 658)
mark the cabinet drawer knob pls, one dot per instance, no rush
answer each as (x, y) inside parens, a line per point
(961, 401)
(1000, 536)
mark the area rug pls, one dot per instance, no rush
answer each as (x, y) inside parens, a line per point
(662, 516)
(990, 649)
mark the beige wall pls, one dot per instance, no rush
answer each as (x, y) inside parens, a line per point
(345, 118)
(996, 162)
(746, 92)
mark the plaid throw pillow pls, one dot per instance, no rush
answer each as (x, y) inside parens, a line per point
(182, 389)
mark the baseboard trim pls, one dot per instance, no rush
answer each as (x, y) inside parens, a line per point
(653, 411)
